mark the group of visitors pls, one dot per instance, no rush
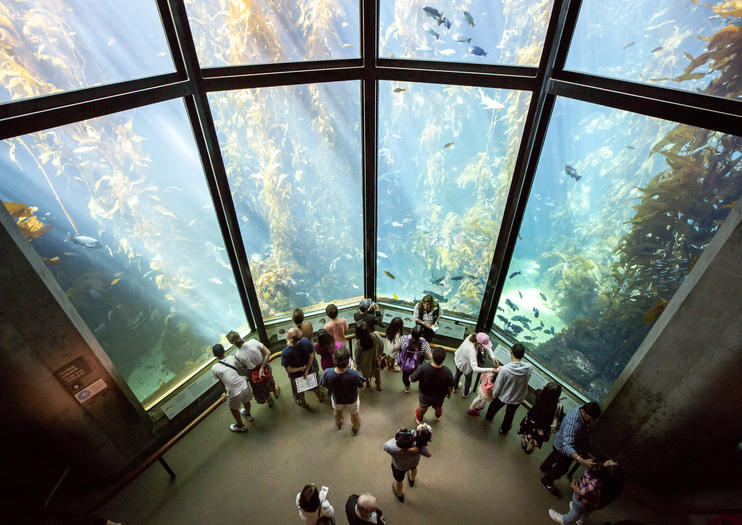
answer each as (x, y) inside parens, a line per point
(315, 508)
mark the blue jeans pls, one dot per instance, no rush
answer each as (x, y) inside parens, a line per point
(576, 511)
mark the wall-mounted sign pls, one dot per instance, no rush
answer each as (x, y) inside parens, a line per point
(96, 387)
(74, 376)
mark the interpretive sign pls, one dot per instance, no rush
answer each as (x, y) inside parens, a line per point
(74, 376)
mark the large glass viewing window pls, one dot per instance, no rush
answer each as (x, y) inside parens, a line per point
(293, 159)
(118, 209)
(58, 45)
(445, 160)
(621, 208)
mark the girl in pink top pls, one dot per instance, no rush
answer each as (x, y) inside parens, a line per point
(336, 327)
(484, 395)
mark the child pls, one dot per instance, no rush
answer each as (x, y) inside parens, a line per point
(484, 395)
(596, 488)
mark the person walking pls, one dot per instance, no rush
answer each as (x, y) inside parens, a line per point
(405, 449)
(236, 387)
(314, 508)
(511, 387)
(343, 383)
(540, 419)
(299, 361)
(254, 357)
(594, 490)
(412, 350)
(362, 509)
(570, 443)
(470, 358)
(436, 384)
(370, 347)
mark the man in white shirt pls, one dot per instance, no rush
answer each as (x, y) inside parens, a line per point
(238, 391)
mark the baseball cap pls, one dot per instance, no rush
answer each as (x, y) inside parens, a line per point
(484, 340)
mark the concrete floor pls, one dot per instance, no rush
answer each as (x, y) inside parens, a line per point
(474, 475)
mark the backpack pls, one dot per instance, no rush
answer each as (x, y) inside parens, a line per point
(407, 358)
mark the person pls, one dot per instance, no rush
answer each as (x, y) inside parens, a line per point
(362, 509)
(595, 489)
(436, 384)
(412, 349)
(405, 449)
(484, 395)
(236, 387)
(394, 333)
(537, 423)
(426, 314)
(326, 347)
(336, 327)
(343, 383)
(511, 387)
(305, 326)
(470, 357)
(570, 443)
(299, 361)
(369, 348)
(313, 505)
(254, 357)
(369, 313)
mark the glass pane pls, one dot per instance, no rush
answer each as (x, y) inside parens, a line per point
(237, 32)
(118, 208)
(59, 45)
(684, 44)
(479, 31)
(445, 160)
(293, 159)
(621, 208)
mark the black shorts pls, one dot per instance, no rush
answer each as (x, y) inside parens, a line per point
(426, 401)
(398, 474)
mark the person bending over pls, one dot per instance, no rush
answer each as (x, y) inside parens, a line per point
(236, 387)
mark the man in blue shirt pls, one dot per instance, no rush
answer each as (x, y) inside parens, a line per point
(299, 361)
(569, 443)
(343, 386)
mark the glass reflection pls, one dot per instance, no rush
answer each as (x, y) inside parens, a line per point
(621, 208)
(232, 33)
(445, 160)
(119, 210)
(59, 45)
(680, 44)
(479, 31)
(293, 159)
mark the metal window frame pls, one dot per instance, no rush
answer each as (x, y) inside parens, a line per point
(546, 82)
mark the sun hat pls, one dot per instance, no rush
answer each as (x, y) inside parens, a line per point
(484, 340)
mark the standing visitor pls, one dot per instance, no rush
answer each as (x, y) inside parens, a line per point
(405, 450)
(236, 387)
(538, 422)
(470, 358)
(426, 314)
(369, 313)
(595, 489)
(336, 327)
(413, 349)
(253, 356)
(362, 509)
(369, 348)
(571, 442)
(436, 384)
(394, 333)
(343, 384)
(305, 326)
(511, 387)
(485, 393)
(314, 508)
(298, 360)
(326, 347)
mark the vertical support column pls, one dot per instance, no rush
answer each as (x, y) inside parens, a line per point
(369, 38)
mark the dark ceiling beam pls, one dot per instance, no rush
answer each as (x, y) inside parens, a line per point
(511, 79)
(286, 78)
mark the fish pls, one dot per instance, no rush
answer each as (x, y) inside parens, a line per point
(433, 33)
(85, 240)
(516, 328)
(399, 90)
(382, 255)
(458, 37)
(521, 319)
(503, 319)
(658, 48)
(501, 308)
(511, 305)
(457, 278)
(730, 205)
(478, 51)
(514, 274)
(448, 145)
(356, 287)
(571, 172)
(651, 315)
(50, 260)
(83, 149)
(396, 224)
(389, 275)
(117, 279)
(438, 280)
(549, 331)
(630, 147)
(100, 328)
(164, 211)
(543, 296)
(347, 45)
(488, 102)
(438, 297)
(520, 294)
(629, 44)
(537, 329)
(94, 293)
(333, 264)
(469, 19)
(433, 13)
(446, 22)
(396, 297)
(529, 337)
(535, 312)
(216, 280)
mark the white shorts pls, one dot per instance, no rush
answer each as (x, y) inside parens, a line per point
(350, 408)
(236, 402)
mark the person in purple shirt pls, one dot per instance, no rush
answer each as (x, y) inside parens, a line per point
(299, 361)
(343, 386)
(569, 443)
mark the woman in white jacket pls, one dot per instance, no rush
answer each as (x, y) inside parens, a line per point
(470, 357)
(313, 505)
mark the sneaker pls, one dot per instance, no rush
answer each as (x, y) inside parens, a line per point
(247, 416)
(555, 516)
(338, 424)
(417, 416)
(551, 489)
(464, 396)
(473, 412)
(400, 498)
(580, 521)
(438, 419)
(406, 390)
(502, 432)
(234, 428)
(355, 430)
(410, 480)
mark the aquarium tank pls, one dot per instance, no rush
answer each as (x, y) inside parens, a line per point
(186, 168)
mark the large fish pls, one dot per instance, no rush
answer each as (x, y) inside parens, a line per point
(478, 51)
(458, 37)
(84, 240)
(511, 304)
(469, 19)
(521, 319)
(571, 172)
(433, 13)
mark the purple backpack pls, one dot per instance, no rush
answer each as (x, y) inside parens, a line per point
(407, 358)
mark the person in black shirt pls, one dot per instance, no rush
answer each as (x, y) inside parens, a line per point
(343, 386)
(436, 383)
(369, 313)
(362, 509)
(299, 361)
